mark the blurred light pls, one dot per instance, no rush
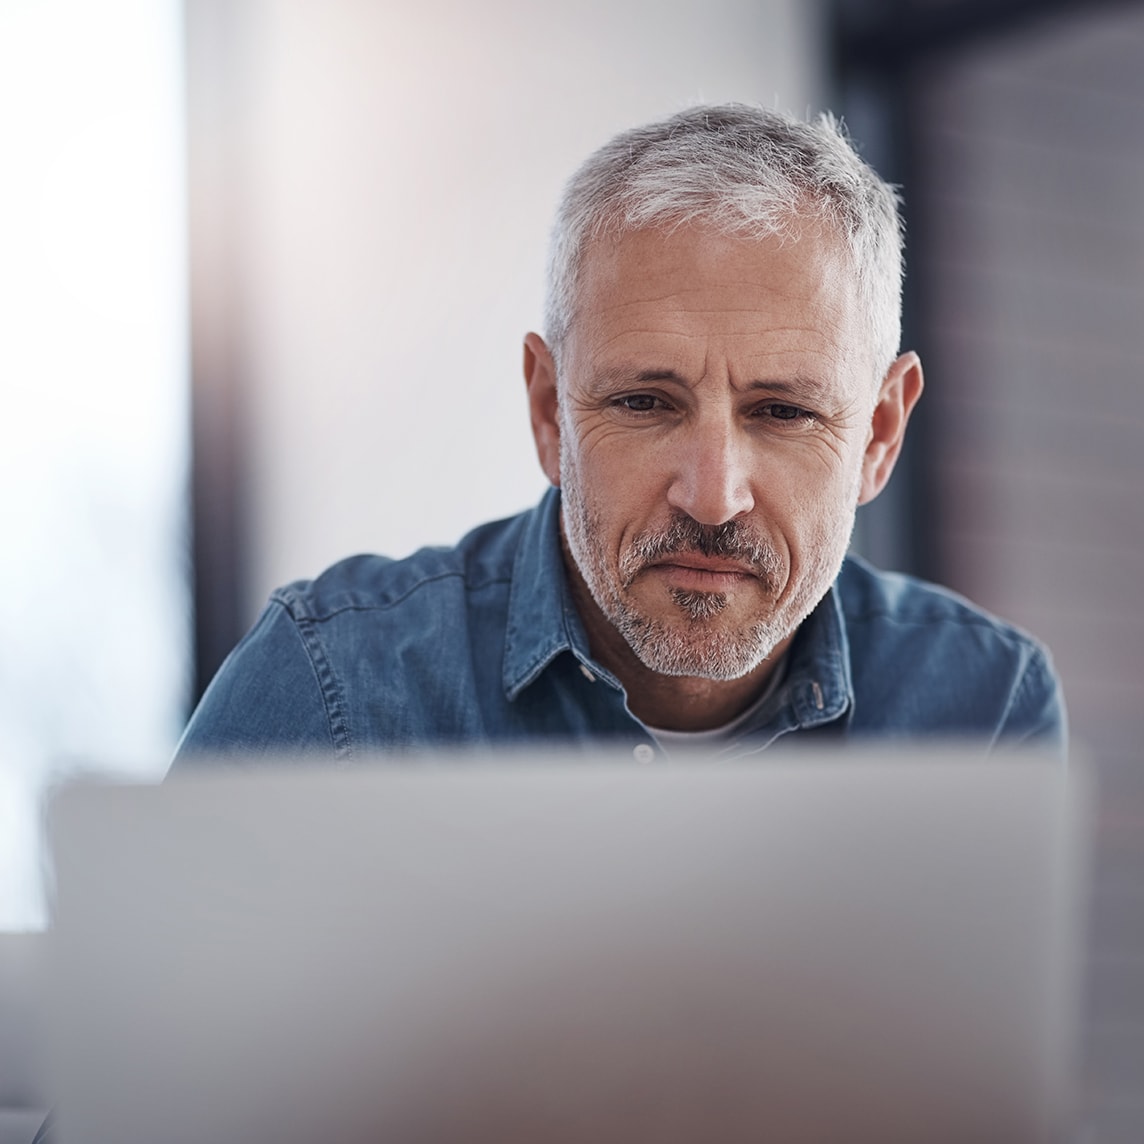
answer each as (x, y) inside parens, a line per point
(93, 370)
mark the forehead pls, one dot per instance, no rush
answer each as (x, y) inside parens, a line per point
(692, 290)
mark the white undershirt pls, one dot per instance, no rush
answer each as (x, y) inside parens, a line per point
(687, 740)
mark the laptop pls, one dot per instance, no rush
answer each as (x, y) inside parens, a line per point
(861, 948)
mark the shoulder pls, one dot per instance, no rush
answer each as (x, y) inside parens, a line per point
(955, 667)
(481, 560)
(870, 596)
(370, 653)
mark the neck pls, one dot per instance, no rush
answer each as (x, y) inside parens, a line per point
(672, 702)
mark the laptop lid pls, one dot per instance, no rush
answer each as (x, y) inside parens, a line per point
(859, 949)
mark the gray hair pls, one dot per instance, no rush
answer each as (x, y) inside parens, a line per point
(741, 170)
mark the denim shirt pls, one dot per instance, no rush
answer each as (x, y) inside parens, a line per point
(482, 643)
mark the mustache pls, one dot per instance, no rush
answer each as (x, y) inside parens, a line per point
(732, 540)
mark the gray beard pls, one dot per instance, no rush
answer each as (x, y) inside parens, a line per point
(699, 606)
(693, 650)
(689, 648)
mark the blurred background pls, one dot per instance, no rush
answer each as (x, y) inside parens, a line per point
(265, 266)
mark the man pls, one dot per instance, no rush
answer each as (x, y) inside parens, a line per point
(719, 387)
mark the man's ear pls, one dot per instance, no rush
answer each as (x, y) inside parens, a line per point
(540, 378)
(901, 388)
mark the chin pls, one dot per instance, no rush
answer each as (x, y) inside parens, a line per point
(684, 648)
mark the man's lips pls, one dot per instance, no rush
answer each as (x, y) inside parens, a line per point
(702, 571)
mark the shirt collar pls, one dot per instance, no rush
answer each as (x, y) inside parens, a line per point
(543, 622)
(818, 686)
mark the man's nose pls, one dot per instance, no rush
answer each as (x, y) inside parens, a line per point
(711, 479)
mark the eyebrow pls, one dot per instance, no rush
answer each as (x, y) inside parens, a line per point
(621, 375)
(802, 387)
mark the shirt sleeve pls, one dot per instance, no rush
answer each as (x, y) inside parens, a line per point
(265, 700)
(1037, 713)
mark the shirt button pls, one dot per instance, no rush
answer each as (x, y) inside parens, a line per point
(587, 674)
(643, 753)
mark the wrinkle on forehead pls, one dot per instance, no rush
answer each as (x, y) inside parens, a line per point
(680, 292)
(703, 250)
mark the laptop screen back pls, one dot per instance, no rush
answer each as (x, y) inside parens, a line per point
(471, 950)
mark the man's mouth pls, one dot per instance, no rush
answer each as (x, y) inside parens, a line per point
(697, 562)
(698, 573)
(701, 558)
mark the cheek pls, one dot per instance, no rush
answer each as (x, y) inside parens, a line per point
(811, 511)
(619, 463)
(615, 474)
(599, 499)
(826, 479)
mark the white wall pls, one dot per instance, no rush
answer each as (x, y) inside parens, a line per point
(399, 163)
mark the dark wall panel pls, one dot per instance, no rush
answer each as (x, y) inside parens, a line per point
(1032, 163)
(1028, 160)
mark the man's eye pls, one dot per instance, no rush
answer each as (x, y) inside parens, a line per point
(638, 402)
(779, 412)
